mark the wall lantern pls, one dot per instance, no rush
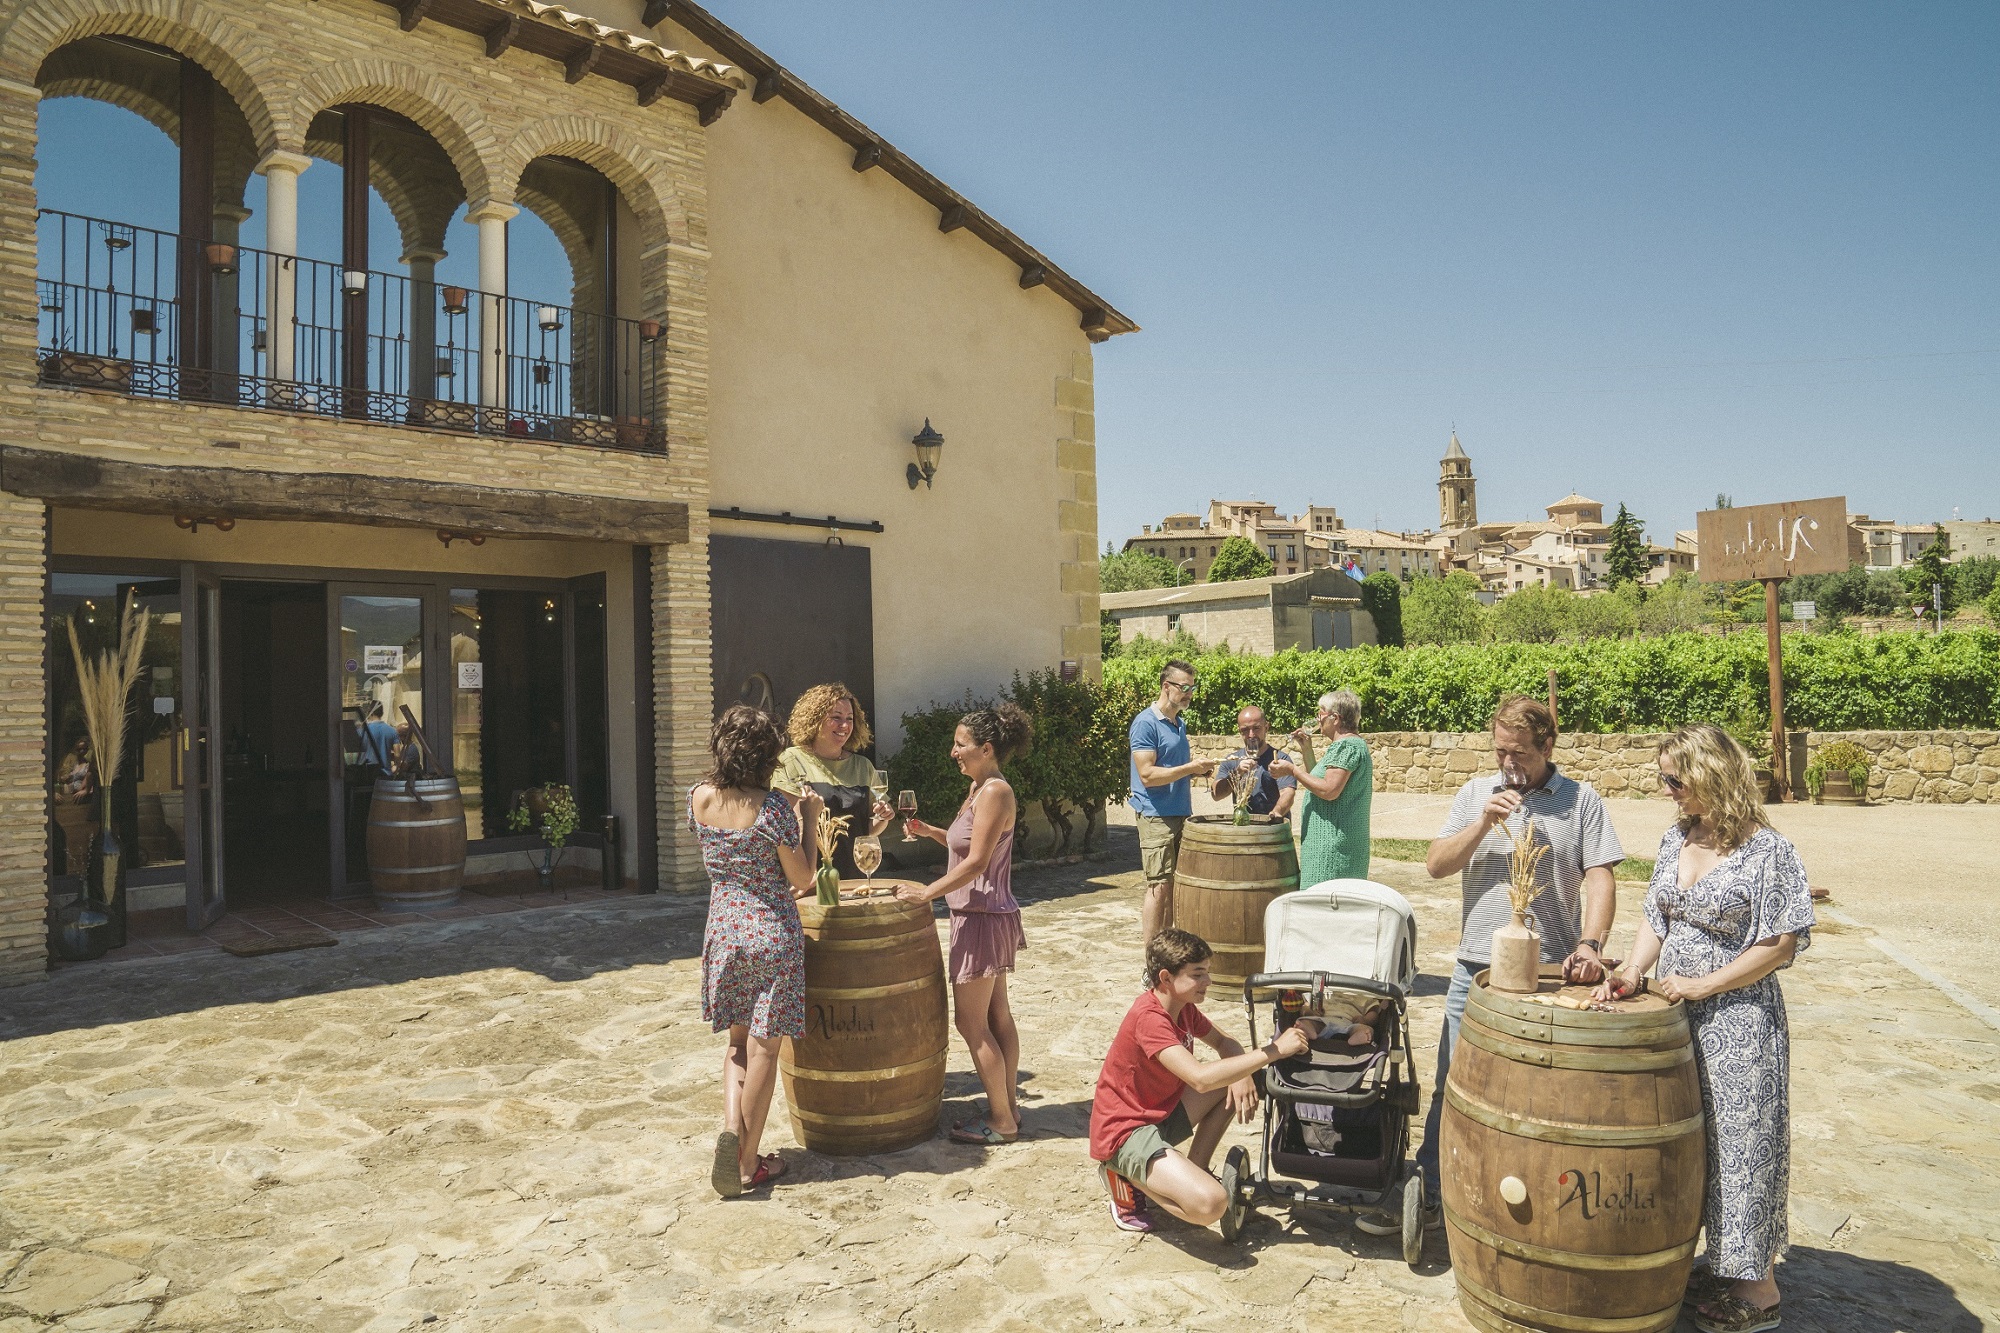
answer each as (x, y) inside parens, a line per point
(221, 258)
(454, 300)
(144, 321)
(549, 317)
(354, 281)
(445, 368)
(929, 443)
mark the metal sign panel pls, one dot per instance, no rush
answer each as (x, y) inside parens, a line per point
(1805, 610)
(1778, 541)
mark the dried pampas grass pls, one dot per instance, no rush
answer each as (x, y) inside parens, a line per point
(105, 685)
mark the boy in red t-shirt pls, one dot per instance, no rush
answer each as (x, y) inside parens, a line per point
(1153, 1092)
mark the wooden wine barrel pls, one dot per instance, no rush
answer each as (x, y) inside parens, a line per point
(1228, 875)
(1593, 1121)
(416, 843)
(868, 1076)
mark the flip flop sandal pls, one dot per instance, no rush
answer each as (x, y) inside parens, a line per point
(1730, 1314)
(982, 1134)
(726, 1173)
(1704, 1287)
(769, 1167)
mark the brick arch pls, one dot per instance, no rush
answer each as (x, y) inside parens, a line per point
(623, 159)
(453, 120)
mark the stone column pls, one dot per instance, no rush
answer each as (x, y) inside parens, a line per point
(228, 228)
(281, 171)
(423, 262)
(491, 218)
(24, 880)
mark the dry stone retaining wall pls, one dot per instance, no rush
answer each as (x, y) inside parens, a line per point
(1934, 767)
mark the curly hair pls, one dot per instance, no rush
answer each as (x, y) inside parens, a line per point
(1004, 727)
(745, 742)
(811, 710)
(1718, 773)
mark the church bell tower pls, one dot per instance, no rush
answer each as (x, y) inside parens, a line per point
(1458, 505)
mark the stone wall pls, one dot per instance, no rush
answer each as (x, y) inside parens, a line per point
(1933, 767)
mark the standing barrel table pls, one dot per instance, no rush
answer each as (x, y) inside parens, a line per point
(1573, 1164)
(416, 843)
(868, 1076)
(1228, 874)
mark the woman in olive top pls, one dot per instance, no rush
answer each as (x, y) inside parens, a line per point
(1333, 843)
(826, 727)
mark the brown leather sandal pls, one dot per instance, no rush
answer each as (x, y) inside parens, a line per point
(1732, 1314)
(1704, 1286)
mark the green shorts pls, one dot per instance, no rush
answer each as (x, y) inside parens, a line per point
(1142, 1145)
(1160, 846)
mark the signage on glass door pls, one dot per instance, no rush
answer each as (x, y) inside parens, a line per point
(382, 659)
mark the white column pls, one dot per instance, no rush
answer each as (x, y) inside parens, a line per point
(491, 218)
(281, 171)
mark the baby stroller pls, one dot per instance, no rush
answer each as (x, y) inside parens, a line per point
(1339, 1115)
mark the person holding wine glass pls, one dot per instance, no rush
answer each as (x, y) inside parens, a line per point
(827, 729)
(1340, 791)
(985, 920)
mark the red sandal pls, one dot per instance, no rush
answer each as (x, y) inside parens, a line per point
(769, 1167)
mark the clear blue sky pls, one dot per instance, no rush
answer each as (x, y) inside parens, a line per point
(1646, 252)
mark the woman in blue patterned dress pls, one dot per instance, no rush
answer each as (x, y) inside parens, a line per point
(753, 955)
(1728, 907)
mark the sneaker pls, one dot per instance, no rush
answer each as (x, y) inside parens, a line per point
(1128, 1206)
(1384, 1221)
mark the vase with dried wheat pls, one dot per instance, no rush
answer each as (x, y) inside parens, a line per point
(826, 880)
(104, 684)
(1517, 946)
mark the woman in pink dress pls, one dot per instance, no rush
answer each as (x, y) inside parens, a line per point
(985, 920)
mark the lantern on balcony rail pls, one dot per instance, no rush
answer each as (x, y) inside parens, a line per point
(455, 300)
(548, 317)
(118, 236)
(445, 368)
(353, 281)
(144, 321)
(541, 372)
(260, 341)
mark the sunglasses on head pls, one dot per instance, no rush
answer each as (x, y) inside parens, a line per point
(1673, 782)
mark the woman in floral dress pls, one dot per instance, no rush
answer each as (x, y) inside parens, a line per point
(753, 955)
(1728, 907)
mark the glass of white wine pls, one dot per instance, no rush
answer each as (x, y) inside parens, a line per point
(868, 857)
(878, 787)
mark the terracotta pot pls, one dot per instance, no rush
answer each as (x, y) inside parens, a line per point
(1836, 788)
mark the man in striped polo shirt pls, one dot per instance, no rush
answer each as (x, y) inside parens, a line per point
(1573, 909)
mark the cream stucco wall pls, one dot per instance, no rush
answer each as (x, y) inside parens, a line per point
(840, 319)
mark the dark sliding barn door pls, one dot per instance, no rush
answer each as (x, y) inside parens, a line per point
(787, 616)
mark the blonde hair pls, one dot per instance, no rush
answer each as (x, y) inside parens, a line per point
(810, 712)
(1717, 772)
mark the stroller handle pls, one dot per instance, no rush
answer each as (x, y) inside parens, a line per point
(1306, 980)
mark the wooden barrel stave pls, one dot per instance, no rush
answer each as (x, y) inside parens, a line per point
(1608, 1139)
(868, 1076)
(1227, 875)
(416, 843)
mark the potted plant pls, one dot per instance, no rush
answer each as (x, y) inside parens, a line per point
(550, 810)
(104, 684)
(1755, 737)
(1838, 774)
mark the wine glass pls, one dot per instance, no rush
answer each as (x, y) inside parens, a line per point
(878, 787)
(868, 857)
(906, 805)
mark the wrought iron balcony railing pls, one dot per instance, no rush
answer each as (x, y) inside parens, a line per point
(156, 315)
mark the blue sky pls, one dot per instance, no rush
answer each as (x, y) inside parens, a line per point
(1651, 253)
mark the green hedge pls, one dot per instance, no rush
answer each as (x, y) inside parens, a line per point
(1833, 682)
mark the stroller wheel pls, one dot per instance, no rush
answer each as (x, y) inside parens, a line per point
(1413, 1221)
(1236, 1186)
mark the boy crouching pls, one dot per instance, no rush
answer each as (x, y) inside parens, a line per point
(1153, 1093)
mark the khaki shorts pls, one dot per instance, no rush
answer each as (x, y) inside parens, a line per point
(1132, 1157)
(1160, 846)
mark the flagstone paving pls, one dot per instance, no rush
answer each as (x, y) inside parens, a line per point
(505, 1124)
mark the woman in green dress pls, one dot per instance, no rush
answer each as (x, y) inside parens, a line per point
(1333, 843)
(826, 728)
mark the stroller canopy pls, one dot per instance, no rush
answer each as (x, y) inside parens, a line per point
(1352, 926)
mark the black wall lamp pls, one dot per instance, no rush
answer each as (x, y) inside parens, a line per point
(929, 443)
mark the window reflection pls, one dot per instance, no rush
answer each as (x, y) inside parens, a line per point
(508, 730)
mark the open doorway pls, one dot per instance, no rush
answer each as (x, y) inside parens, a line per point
(273, 731)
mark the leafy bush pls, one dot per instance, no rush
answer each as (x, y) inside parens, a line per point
(1237, 558)
(1539, 614)
(1993, 607)
(1130, 571)
(1973, 579)
(1838, 757)
(1676, 606)
(1382, 598)
(1445, 610)
(1606, 616)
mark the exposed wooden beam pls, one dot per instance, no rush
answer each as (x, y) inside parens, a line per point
(655, 13)
(502, 35)
(412, 12)
(337, 497)
(769, 85)
(868, 155)
(954, 217)
(649, 91)
(582, 62)
(1034, 275)
(712, 109)
(1093, 325)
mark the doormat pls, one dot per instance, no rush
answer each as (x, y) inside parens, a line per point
(281, 940)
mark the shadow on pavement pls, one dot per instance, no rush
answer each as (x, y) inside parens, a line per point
(1846, 1293)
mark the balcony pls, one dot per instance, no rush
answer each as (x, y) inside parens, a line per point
(151, 314)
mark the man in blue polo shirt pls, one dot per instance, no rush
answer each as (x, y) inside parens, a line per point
(1161, 795)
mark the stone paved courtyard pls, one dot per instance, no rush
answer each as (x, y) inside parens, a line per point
(505, 1124)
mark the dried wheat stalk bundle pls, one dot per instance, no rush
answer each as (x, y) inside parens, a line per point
(105, 683)
(1522, 862)
(827, 834)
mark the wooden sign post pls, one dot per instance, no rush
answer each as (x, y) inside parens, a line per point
(1773, 543)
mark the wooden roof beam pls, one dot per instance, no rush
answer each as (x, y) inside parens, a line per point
(411, 12)
(502, 35)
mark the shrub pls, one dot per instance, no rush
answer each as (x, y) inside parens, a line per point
(1445, 610)
(1993, 607)
(1533, 615)
(1237, 558)
(1606, 616)
(1129, 571)
(1382, 598)
(1838, 757)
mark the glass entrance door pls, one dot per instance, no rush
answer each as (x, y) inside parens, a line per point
(201, 746)
(378, 644)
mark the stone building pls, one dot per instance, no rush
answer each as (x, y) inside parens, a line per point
(1320, 608)
(561, 531)
(1458, 493)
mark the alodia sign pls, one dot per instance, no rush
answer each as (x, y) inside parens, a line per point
(1779, 541)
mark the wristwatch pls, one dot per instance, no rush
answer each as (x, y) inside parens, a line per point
(1596, 946)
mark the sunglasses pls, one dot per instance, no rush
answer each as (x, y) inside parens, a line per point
(1187, 688)
(1673, 782)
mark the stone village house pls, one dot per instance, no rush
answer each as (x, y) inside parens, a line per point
(562, 535)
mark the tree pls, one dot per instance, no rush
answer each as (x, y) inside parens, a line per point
(1445, 610)
(1931, 569)
(1722, 502)
(1130, 571)
(1109, 636)
(1540, 614)
(1237, 558)
(1674, 607)
(1382, 599)
(1973, 578)
(1627, 557)
(1993, 607)
(1612, 615)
